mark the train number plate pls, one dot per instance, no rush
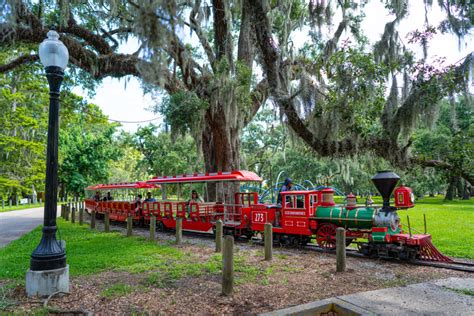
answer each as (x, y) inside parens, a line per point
(259, 217)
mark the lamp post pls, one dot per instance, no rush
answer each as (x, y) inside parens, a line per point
(48, 270)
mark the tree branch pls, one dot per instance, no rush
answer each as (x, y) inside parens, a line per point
(259, 96)
(25, 59)
(420, 93)
(194, 24)
(245, 49)
(222, 31)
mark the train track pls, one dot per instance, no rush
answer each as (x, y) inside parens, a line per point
(456, 265)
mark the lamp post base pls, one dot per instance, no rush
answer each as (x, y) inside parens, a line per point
(45, 283)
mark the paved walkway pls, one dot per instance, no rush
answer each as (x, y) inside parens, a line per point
(452, 296)
(14, 224)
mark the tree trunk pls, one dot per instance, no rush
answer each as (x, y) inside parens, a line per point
(221, 149)
(459, 187)
(450, 192)
(467, 191)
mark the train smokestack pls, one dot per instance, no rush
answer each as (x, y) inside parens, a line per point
(385, 181)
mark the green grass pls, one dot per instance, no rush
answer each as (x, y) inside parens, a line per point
(451, 224)
(90, 252)
(468, 292)
(5, 301)
(19, 207)
(23, 207)
(117, 290)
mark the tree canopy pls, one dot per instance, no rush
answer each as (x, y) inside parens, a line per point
(219, 61)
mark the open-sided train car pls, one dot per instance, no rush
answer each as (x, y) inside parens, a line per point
(222, 200)
(123, 199)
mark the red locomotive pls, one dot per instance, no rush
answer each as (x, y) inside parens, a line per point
(301, 217)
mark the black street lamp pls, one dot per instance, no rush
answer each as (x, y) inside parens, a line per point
(49, 255)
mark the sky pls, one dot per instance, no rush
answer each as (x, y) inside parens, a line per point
(124, 100)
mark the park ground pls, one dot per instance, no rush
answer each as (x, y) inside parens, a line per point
(111, 273)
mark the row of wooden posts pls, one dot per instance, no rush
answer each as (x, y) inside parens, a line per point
(223, 244)
(30, 202)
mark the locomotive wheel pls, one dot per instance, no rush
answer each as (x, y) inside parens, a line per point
(326, 236)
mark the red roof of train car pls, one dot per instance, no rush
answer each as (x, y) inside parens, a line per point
(124, 185)
(236, 175)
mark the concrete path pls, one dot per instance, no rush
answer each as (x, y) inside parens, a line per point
(453, 296)
(14, 224)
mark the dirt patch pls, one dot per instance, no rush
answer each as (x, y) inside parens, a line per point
(293, 277)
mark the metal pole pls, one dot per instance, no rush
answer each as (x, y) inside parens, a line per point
(49, 254)
(409, 227)
(424, 220)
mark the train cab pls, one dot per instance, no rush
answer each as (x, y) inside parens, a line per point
(290, 218)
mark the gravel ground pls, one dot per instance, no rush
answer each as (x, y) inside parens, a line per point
(293, 277)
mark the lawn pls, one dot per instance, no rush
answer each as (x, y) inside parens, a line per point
(7, 208)
(451, 224)
(90, 252)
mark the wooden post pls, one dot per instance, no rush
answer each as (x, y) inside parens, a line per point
(67, 211)
(219, 236)
(81, 216)
(10, 203)
(268, 234)
(62, 211)
(179, 230)
(73, 214)
(228, 266)
(3, 204)
(340, 249)
(152, 227)
(107, 222)
(93, 220)
(129, 225)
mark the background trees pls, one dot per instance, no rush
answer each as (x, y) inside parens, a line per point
(87, 141)
(216, 62)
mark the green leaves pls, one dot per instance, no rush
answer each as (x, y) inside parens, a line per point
(183, 111)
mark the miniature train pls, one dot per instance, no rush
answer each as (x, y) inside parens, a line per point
(303, 216)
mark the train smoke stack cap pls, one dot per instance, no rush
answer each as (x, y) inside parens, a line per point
(385, 181)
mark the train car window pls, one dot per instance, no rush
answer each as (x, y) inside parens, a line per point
(295, 201)
(300, 201)
(313, 199)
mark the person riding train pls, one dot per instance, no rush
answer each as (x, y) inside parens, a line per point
(195, 198)
(149, 198)
(287, 186)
